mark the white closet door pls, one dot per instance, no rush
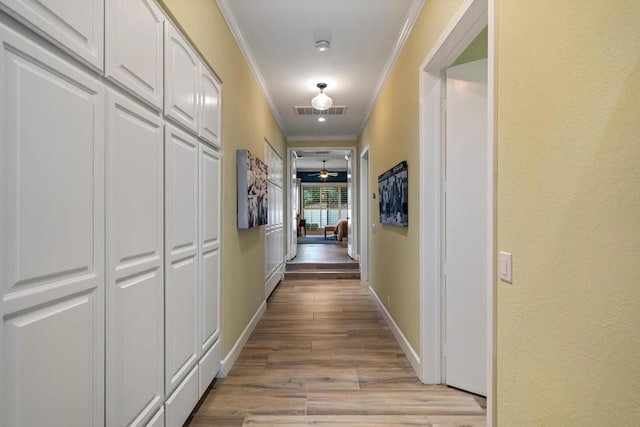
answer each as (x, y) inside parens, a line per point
(135, 293)
(181, 250)
(133, 51)
(209, 246)
(75, 25)
(465, 228)
(51, 239)
(210, 110)
(182, 79)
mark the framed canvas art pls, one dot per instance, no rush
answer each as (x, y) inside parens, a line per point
(393, 190)
(253, 206)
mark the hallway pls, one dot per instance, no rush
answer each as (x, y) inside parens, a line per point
(323, 355)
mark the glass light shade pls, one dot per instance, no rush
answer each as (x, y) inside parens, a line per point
(321, 102)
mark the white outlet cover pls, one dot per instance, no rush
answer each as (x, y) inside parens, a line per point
(505, 267)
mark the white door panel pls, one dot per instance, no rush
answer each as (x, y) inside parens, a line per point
(181, 403)
(209, 297)
(210, 197)
(209, 128)
(465, 226)
(209, 246)
(181, 234)
(181, 320)
(157, 420)
(34, 356)
(135, 280)
(134, 47)
(135, 375)
(75, 25)
(182, 79)
(52, 242)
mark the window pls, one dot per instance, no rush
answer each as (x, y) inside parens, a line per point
(324, 204)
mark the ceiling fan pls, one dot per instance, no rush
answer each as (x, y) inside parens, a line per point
(324, 173)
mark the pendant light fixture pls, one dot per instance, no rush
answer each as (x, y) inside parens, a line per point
(321, 101)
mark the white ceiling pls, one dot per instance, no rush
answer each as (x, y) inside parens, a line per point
(278, 39)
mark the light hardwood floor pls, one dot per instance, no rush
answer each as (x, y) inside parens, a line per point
(323, 356)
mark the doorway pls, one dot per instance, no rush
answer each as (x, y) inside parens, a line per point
(436, 237)
(321, 194)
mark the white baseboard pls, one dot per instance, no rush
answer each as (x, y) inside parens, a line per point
(227, 363)
(414, 360)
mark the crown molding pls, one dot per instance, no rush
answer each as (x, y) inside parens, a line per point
(230, 18)
(393, 57)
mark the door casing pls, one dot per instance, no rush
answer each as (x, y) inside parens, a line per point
(466, 24)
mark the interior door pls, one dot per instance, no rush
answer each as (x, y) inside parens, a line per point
(293, 206)
(350, 234)
(465, 231)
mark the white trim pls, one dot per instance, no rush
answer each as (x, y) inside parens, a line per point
(227, 363)
(413, 357)
(429, 245)
(405, 31)
(491, 215)
(466, 24)
(303, 138)
(230, 18)
(364, 216)
(469, 20)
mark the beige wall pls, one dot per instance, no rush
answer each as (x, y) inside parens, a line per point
(246, 122)
(392, 136)
(568, 140)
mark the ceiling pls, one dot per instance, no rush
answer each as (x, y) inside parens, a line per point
(278, 39)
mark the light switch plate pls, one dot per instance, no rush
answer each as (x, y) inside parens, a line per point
(505, 266)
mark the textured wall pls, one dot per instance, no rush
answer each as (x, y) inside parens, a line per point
(392, 133)
(246, 121)
(568, 140)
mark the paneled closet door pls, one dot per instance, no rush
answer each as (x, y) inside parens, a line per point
(209, 246)
(133, 52)
(210, 111)
(51, 239)
(135, 279)
(182, 79)
(181, 255)
(75, 25)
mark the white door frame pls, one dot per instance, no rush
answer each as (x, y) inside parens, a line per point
(466, 24)
(291, 249)
(354, 187)
(364, 214)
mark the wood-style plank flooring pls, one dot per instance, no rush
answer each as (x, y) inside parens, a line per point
(322, 355)
(310, 253)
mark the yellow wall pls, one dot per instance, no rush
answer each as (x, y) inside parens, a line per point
(568, 140)
(246, 122)
(392, 136)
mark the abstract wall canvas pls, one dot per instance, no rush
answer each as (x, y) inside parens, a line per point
(253, 206)
(393, 190)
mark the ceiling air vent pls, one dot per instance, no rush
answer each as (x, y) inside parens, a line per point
(336, 110)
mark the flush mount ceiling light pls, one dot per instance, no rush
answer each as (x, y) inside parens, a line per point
(322, 46)
(321, 101)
